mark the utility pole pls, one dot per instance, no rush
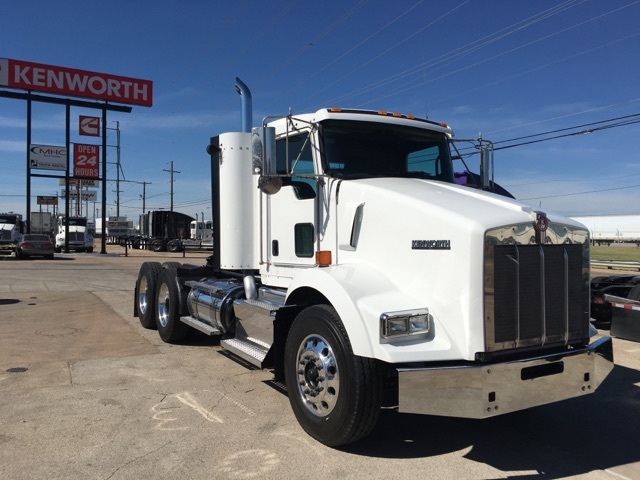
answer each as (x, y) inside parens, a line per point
(144, 195)
(118, 169)
(172, 171)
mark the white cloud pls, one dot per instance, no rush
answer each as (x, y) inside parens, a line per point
(12, 146)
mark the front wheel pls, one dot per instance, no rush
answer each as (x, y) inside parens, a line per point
(335, 395)
(158, 246)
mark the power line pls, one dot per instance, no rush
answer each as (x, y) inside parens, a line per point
(580, 193)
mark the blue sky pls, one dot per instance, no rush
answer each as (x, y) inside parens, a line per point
(503, 68)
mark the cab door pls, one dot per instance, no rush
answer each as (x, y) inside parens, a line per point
(291, 219)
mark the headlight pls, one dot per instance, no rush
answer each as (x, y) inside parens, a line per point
(407, 322)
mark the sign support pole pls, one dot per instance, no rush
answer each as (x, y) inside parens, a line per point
(103, 245)
(28, 219)
(66, 176)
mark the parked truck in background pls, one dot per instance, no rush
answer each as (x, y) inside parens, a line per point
(79, 239)
(608, 229)
(117, 229)
(347, 261)
(163, 230)
(201, 231)
(41, 222)
(11, 230)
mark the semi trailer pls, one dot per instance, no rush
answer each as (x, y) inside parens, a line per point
(42, 222)
(348, 262)
(608, 229)
(163, 230)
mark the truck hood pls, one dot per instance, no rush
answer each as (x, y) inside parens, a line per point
(435, 204)
(428, 239)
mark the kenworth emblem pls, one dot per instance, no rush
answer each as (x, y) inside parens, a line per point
(542, 222)
(430, 244)
(541, 225)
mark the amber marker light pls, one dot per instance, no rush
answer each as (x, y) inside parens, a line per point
(323, 258)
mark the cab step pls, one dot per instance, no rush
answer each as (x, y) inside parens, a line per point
(252, 352)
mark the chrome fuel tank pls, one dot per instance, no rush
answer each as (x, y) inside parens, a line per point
(211, 301)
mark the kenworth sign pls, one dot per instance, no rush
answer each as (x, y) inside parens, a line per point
(77, 83)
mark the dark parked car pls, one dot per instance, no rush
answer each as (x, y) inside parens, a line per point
(35, 245)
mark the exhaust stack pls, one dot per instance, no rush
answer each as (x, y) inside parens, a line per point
(247, 113)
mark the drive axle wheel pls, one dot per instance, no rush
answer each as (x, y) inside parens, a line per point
(170, 328)
(335, 395)
(146, 293)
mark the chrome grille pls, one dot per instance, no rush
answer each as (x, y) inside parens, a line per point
(76, 236)
(536, 294)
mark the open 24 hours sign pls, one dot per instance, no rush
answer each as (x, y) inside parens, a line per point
(86, 160)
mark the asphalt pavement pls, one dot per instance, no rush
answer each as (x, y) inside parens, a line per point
(87, 393)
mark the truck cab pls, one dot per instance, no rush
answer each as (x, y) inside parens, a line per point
(348, 261)
(79, 239)
(11, 230)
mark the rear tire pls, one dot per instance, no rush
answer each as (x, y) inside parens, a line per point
(158, 246)
(170, 328)
(174, 246)
(146, 293)
(335, 395)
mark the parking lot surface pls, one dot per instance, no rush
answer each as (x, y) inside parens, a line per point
(87, 393)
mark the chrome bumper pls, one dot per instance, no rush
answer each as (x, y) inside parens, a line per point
(493, 389)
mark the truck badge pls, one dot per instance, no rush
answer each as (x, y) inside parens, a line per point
(541, 224)
(430, 244)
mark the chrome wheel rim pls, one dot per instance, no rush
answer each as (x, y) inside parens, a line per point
(163, 305)
(143, 296)
(318, 376)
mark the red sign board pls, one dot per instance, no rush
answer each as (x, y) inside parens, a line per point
(89, 126)
(86, 160)
(76, 83)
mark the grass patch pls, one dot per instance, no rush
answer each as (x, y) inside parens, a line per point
(627, 253)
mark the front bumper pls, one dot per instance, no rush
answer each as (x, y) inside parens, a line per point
(487, 390)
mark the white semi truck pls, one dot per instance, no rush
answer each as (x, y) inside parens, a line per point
(79, 238)
(347, 261)
(11, 230)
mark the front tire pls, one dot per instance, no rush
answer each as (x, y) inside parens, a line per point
(170, 328)
(146, 293)
(335, 395)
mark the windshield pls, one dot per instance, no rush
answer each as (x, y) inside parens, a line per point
(354, 149)
(12, 219)
(77, 221)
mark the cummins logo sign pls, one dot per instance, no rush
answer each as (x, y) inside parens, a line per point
(78, 83)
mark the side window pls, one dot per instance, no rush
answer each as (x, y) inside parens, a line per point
(304, 239)
(294, 156)
(426, 160)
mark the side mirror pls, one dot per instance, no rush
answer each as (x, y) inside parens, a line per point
(263, 154)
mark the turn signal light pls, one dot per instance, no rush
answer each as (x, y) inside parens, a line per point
(323, 258)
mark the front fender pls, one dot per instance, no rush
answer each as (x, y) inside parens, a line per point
(360, 294)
